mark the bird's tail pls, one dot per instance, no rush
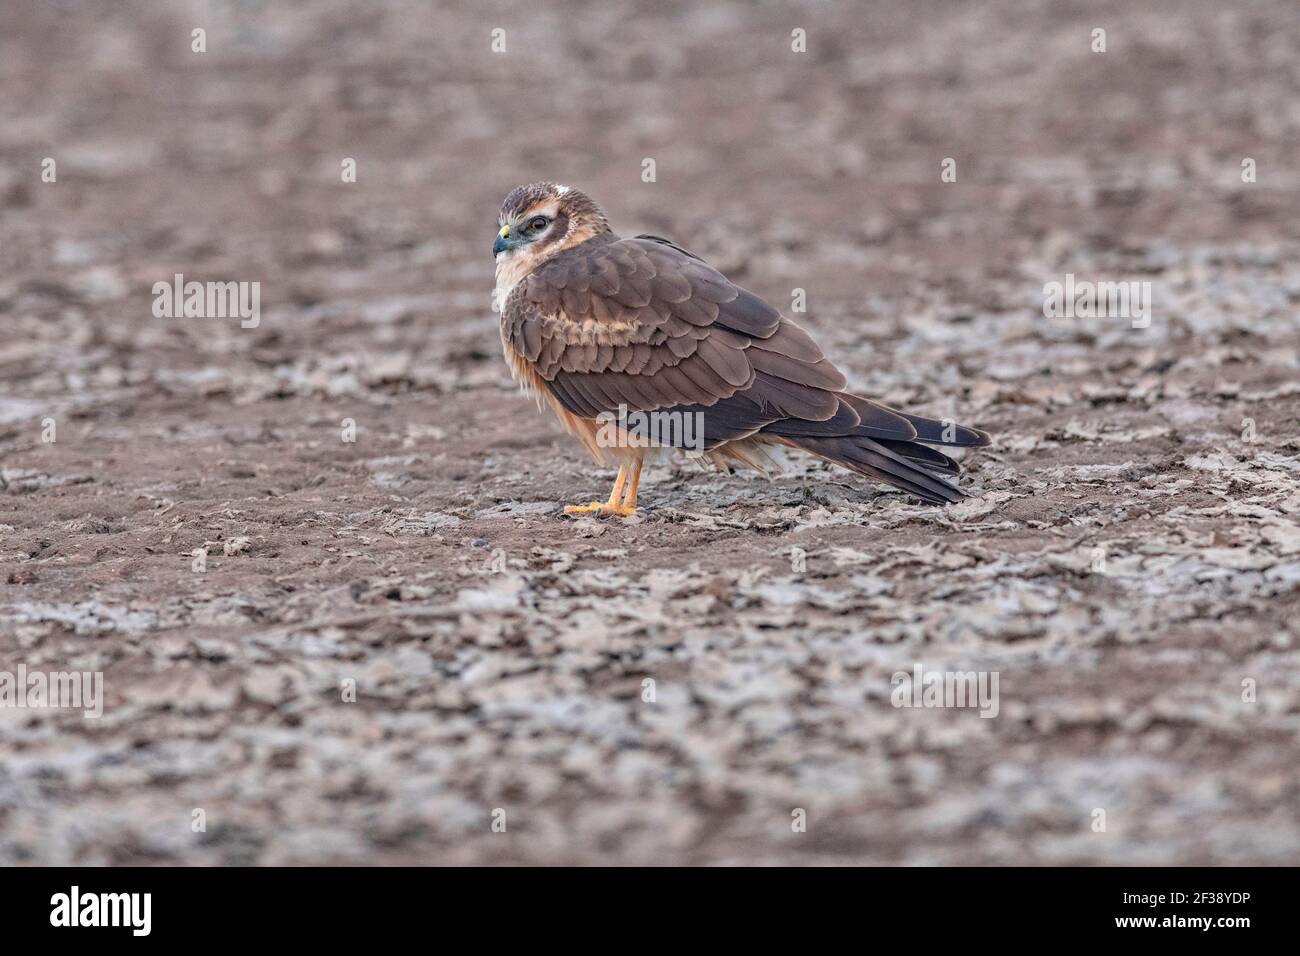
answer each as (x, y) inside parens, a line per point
(871, 458)
(882, 448)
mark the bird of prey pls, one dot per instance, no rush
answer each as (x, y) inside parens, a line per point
(597, 326)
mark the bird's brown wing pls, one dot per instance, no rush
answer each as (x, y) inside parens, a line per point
(643, 324)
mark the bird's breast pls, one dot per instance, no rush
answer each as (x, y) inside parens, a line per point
(510, 270)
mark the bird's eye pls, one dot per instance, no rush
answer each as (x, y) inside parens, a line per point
(538, 223)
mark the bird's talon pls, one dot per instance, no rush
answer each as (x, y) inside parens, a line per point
(600, 507)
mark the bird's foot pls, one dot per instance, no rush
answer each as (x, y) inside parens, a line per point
(601, 507)
(622, 497)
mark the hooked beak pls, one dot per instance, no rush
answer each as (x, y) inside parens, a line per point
(502, 242)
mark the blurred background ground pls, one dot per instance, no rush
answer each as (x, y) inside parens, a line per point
(499, 649)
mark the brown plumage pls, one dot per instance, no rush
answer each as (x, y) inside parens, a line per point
(598, 326)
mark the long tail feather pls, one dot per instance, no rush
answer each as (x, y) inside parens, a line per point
(923, 455)
(946, 433)
(870, 458)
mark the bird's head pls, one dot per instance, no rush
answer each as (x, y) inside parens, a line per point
(539, 220)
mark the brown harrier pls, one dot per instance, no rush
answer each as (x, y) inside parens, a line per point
(619, 335)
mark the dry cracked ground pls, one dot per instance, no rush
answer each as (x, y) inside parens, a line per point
(1128, 563)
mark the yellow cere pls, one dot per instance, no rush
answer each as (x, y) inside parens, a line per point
(505, 231)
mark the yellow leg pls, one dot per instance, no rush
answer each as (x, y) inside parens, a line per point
(629, 500)
(616, 493)
(614, 505)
